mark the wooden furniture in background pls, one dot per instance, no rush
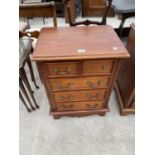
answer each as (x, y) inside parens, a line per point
(125, 9)
(125, 84)
(59, 8)
(78, 67)
(30, 10)
(88, 22)
(72, 4)
(58, 5)
(92, 8)
(25, 47)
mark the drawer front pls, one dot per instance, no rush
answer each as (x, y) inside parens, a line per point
(79, 106)
(79, 96)
(62, 68)
(79, 83)
(97, 66)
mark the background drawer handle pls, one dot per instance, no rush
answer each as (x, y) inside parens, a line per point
(57, 71)
(88, 106)
(90, 96)
(93, 85)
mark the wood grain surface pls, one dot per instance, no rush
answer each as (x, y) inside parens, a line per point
(68, 43)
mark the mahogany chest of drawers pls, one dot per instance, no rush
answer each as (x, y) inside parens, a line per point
(78, 67)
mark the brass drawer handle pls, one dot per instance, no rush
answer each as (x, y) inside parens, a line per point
(93, 97)
(64, 107)
(88, 106)
(68, 86)
(68, 98)
(98, 84)
(57, 71)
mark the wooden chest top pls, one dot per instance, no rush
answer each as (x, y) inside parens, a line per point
(76, 43)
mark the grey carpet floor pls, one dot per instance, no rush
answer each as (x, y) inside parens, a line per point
(40, 134)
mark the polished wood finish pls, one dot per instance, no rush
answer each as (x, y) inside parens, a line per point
(97, 67)
(125, 84)
(78, 43)
(92, 8)
(62, 69)
(88, 22)
(79, 95)
(30, 10)
(79, 83)
(74, 106)
(65, 56)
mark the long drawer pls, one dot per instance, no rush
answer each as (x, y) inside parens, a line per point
(91, 95)
(79, 83)
(91, 105)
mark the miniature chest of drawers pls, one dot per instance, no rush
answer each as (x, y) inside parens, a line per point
(78, 67)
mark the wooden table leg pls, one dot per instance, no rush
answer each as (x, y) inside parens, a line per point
(21, 97)
(29, 88)
(25, 93)
(31, 72)
(25, 79)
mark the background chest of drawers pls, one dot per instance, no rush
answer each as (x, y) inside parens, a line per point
(78, 81)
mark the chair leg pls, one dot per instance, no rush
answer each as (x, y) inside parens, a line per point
(28, 22)
(25, 93)
(25, 79)
(31, 72)
(21, 97)
(121, 25)
(44, 21)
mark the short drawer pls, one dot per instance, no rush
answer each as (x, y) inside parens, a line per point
(79, 96)
(97, 66)
(79, 83)
(92, 105)
(62, 68)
